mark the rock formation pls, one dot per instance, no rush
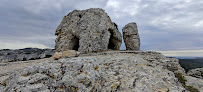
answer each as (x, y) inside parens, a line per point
(131, 36)
(24, 54)
(102, 72)
(195, 82)
(88, 30)
(173, 65)
(198, 73)
(91, 30)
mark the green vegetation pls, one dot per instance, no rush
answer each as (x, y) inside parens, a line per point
(181, 78)
(183, 81)
(189, 64)
(191, 89)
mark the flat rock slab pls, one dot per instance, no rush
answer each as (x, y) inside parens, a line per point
(121, 72)
(18, 65)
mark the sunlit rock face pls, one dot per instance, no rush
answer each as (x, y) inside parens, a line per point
(88, 30)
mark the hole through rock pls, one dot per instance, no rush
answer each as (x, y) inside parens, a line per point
(111, 44)
(75, 41)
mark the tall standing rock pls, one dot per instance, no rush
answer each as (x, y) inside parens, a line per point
(87, 31)
(131, 36)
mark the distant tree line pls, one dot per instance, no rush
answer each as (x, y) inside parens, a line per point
(189, 64)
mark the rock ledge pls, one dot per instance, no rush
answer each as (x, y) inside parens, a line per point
(144, 71)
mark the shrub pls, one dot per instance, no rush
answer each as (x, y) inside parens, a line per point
(191, 89)
(181, 78)
(183, 81)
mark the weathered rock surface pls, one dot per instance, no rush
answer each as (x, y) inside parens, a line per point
(10, 67)
(68, 53)
(198, 73)
(103, 72)
(131, 36)
(171, 64)
(195, 82)
(57, 55)
(7, 55)
(88, 30)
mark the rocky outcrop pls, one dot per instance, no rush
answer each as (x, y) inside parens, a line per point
(195, 82)
(131, 36)
(7, 55)
(103, 72)
(198, 73)
(171, 64)
(88, 30)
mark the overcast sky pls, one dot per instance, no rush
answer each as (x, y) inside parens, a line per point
(163, 25)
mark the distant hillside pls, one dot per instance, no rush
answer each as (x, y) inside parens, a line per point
(189, 64)
(7, 55)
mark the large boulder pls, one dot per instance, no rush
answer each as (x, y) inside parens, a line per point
(88, 30)
(131, 36)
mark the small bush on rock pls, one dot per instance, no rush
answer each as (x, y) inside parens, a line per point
(181, 78)
(191, 89)
(183, 81)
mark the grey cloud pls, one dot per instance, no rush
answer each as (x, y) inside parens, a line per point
(164, 24)
(26, 21)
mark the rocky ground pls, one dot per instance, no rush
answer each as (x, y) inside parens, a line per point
(10, 67)
(195, 82)
(105, 71)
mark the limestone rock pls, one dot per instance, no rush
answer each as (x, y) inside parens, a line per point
(198, 73)
(88, 30)
(195, 82)
(57, 55)
(70, 53)
(171, 64)
(131, 36)
(64, 54)
(117, 72)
